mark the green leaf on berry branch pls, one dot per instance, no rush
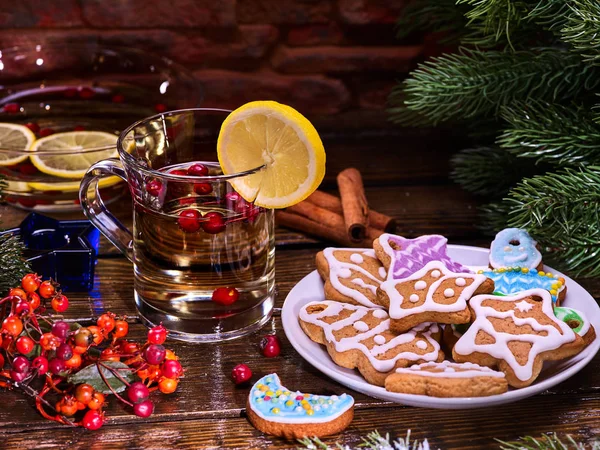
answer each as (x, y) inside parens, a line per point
(91, 375)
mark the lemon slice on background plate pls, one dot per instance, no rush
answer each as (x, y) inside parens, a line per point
(280, 138)
(14, 137)
(70, 186)
(72, 165)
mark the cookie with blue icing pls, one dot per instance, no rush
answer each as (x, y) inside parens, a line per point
(274, 409)
(514, 247)
(511, 280)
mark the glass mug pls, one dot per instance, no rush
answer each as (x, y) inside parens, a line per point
(191, 234)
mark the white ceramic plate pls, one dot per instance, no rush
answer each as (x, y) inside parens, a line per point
(310, 288)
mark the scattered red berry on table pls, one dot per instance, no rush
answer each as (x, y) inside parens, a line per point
(143, 409)
(167, 385)
(154, 354)
(106, 322)
(34, 300)
(22, 308)
(47, 289)
(40, 364)
(270, 346)
(17, 292)
(225, 295)
(60, 303)
(57, 366)
(189, 220)
(12, 325)
(241, 374)
(20, 364)
(84, 393)
(97, 400)
(121, 329)
(64, 352)
(24, 345)
(137, 392)
(213, 223)
(172, 369)
(61, 329)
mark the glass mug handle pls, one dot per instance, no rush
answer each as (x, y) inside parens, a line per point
(96, 211)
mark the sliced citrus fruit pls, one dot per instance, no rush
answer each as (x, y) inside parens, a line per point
(75, 164)
(71, 186)
(276, 136)
(14, 137)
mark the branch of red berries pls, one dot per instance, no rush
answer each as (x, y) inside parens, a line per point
(78, 365)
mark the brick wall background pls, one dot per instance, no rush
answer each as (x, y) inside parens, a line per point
(331, 59)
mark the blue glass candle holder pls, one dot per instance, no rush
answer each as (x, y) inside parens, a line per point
(64, 250)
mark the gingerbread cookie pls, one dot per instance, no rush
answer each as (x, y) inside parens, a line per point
(432, 294)
(451, 334)
(360, 337)
(402, 257)
(516, 333)
(514, 247)
(577, 321)
(447, 379)
(511, 280)
(351, 275)
(273, 409)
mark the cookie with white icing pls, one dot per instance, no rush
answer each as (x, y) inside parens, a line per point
(514, 247)
(432, 294)
(360, 338)
(274, 409)
(351, 275)
(447, 379)
(516, 334)
(402, 257)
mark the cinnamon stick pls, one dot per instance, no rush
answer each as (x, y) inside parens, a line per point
(354, 203)
(308, 226)
(377, 220)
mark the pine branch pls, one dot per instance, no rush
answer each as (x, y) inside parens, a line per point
(582, 29)
(441, 16)
(12, 264)
(471, 169)
(551, 133)
(373, 441)
(562, 212)
(476, 83)
(547, 442)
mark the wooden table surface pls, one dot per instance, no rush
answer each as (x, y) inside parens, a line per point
(406, 177)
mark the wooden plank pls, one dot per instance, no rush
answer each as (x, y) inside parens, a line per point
(465, 429)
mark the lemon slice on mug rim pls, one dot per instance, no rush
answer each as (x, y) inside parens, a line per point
(283, 141)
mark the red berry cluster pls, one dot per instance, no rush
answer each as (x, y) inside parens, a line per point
(29, 355)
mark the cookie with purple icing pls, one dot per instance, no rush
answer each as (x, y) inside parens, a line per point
(432, 294)
(447, 379)
(402, 257)
(351, 275)
(360, 338)
(274, 409)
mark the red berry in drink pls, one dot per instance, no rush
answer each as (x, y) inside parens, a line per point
(197, 170)
(40, 364)
(153, 187)
(11, 108)
(57, 366)
(213, 222)
(160, 107)
(34, 127)
(203, 188)
(137, 392)
(157, 334)
(47, 289)
(171, 369)
(154, 354)
(64, 352)
(225, 295)
(270, 346)
(241, 374)
(189, 220)
(20, 364)
(46, 132)
(24, 345)
(92, 420)
(31, 282)
(61, 329)
(143, 409)
(86, 92)
(118, 98)
(79, 128)
(60, 303)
